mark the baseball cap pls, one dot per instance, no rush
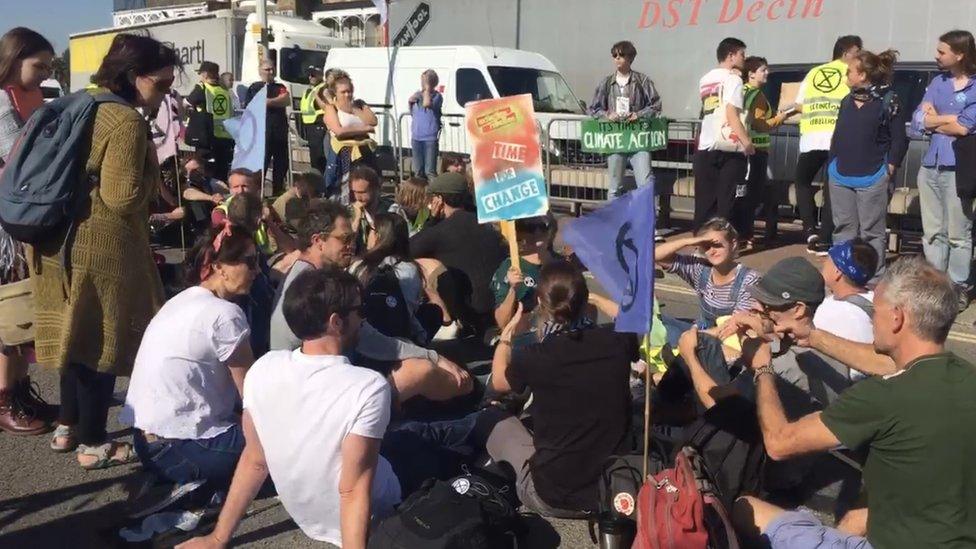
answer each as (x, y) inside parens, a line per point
(449, 183)
(208, 67)
(789, 281)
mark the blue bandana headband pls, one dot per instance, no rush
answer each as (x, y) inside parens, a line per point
(843, 259)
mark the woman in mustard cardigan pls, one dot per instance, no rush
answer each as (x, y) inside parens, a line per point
(90, 324)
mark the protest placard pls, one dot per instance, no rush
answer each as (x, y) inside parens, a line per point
(608, 137)
(506, 160)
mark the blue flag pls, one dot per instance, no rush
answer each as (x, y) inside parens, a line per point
(616, 243)
(248, 133)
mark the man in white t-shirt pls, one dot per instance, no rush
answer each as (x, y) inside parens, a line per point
(718, 172)
(847, 311)
(314, 421)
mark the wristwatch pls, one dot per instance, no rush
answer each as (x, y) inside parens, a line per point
(767, 369)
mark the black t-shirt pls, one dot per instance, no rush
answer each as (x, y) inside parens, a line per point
(470, 251)
(277, 121)
(581, 409)
(197, 97)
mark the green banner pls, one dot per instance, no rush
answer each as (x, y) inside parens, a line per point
(607, 137)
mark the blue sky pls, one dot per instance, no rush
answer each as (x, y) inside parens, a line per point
(56, 19)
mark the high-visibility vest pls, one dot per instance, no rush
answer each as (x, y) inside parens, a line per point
(311, 111)
(759, 139)
(823, 90)
(262, 240)
(218, 104)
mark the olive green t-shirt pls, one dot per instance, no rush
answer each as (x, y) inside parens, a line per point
(919, 427)
(525, 293)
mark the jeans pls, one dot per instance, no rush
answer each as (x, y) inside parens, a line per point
(674, 328)
(862, 212)
(947, 224)
(182, 461)
(419, 450)
(425, 158)
(640, 162)
(86, 395)
(331, 170)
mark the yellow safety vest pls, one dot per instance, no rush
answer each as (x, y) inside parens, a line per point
(310, 111)
(759, 139)
(220, 106)
(823, 89)
(262, 240)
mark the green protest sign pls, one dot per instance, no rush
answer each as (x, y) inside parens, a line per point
(607, 137)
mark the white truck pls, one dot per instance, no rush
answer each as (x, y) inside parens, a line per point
(229, 38)
(386, 78)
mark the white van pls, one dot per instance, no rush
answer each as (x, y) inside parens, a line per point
(386, 79)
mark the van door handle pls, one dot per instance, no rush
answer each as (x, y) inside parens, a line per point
(454, 124)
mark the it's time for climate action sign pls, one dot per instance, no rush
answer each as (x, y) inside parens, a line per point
(608, 137)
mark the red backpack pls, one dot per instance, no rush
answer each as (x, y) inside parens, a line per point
(678, 509)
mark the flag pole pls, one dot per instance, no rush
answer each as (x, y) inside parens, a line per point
(647, 366)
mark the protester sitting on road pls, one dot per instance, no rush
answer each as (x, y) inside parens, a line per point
(189, 372)
(917, 424)
(203, 192)
(425, 125)
(350, 122)
(470, 252)
(868, 145)
(388, 254)
(25, 62)
(315, 421)
(847, 311)
(366, 201)
(722, 284)
(626, 95)
(760, 120)
(270, 237)
(291, 206)
(411, 196)
(573, 362)
(511, 285)
(89, 323)
(325, 239)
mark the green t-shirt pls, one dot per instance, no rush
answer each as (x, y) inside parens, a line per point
(525, 292)
(920, 430)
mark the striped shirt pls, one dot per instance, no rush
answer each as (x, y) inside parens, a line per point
(690, 268)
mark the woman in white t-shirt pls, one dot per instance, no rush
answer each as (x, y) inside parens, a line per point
(186, 384)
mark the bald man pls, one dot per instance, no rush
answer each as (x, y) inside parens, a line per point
(276, 140)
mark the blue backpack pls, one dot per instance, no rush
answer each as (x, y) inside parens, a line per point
(42, 184)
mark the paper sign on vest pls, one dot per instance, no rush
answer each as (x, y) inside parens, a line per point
(506, 159)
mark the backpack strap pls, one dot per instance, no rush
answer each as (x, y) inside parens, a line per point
(704, 277)
(862, 303)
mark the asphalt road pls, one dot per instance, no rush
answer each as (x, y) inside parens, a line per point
(47, 501)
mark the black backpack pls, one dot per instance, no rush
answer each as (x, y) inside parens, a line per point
(729, 441)
(467, 512)
(385, 307)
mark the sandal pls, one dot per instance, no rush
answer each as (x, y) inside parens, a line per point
(63, 432)
(107, 455)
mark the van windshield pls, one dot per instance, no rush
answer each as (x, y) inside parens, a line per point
(550, 93)
(295, 62)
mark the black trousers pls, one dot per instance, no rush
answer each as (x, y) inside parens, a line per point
(315, 135)
(716, 175)
(223, 154)
(758, 191)
(85, 399)
(276, 157)
(807, 167)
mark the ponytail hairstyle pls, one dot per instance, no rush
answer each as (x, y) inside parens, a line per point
(223, 244)
(878, 67)
(961, 42)
(562, 292)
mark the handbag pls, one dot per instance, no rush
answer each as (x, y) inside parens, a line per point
(199, 130)
(17, 312)
(725, 139)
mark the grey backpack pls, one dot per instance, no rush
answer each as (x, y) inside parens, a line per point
(42, 184)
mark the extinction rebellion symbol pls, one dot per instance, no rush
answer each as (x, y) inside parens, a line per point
(827, 79)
